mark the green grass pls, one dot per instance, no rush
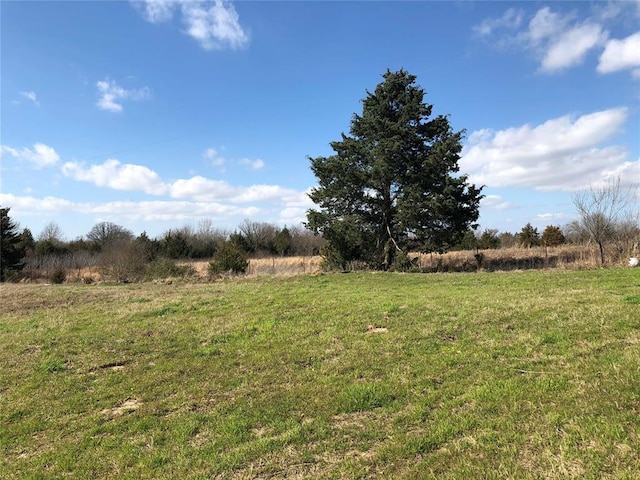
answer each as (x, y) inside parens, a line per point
(490, 375)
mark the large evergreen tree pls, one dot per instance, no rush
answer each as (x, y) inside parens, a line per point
(11, 251)
(393, 183)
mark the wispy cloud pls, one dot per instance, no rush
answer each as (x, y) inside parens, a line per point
(564, 153)
(214, 24)
(32, 97)
(256, 164)
(211, 155)
(561, 41)
(156, 11)
(111, 95)
(570, 48)
(40, 155)
(496, 202)
(511, 19)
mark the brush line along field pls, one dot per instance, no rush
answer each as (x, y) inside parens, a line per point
(522, 375)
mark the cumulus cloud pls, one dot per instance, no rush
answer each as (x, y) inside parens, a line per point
(621, 55)
(205, 189)
(214, 24)
(201, 189)
(28, 205)
(116, 175)
(111, 95)
(561, 41)
(564, 153)
(32, 97)
(40, 156)
(187, 199)
(296, 205)
(122, 211)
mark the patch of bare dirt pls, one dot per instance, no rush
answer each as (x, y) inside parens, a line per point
(128, 406)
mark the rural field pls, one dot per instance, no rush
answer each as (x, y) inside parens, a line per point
(523, 374)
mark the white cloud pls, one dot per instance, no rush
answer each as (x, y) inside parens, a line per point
(511, 19)
(561, 154)
(32, 97)
(564, 40)
(213, 158)
(121, 212)
(295, 208)
(253, 164)
(170, 210)
(550, 217)
(111, 95)
(495, 202)
(156, 11)
(570, 48)
(202, 189)
(214, 24)
(546, 24)
(261, 193)
(118, 176)
(211, 155)
(620, 54)
(40, 156)
(205, 190)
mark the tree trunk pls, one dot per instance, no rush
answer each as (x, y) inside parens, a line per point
(601, 247)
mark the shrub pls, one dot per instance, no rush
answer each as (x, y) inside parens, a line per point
(403, 263)
(229, 258)
(58, 275)
(167, 269)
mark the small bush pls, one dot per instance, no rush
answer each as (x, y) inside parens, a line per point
(229, 258)
(167, 269)
(403, 263)
(58, 275)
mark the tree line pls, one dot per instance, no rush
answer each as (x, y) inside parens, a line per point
(117, 253)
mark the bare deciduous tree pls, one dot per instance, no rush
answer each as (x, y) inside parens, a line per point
(51, 233)
(607, 212)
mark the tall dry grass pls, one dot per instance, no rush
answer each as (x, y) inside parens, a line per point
(273, 266)
(576, 257)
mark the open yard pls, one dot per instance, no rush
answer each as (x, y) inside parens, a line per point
(524, 375)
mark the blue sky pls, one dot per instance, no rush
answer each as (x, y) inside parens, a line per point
(159, 114)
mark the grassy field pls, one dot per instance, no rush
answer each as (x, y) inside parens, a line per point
(365, 375)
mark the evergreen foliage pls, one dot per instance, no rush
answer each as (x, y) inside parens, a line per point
(11, 250)
(528, 236)
(393, 183)
(552, 236)
(230, 257)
